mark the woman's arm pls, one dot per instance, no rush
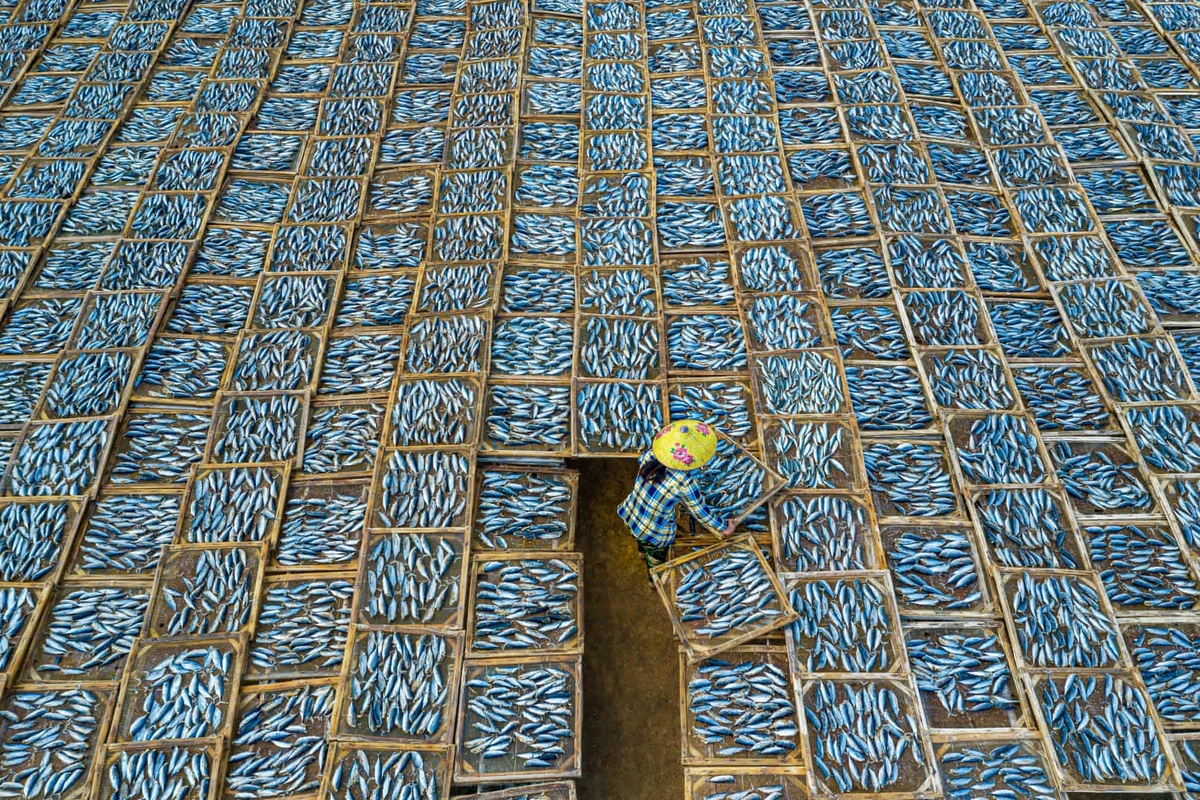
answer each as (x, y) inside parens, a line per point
(705, 514)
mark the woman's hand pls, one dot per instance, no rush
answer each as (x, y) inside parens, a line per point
(729, 526)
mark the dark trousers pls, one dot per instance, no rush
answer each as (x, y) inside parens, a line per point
(654, 555)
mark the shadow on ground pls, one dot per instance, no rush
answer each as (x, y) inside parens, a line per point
(631, 729)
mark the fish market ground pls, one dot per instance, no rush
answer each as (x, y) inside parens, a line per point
(631, 662)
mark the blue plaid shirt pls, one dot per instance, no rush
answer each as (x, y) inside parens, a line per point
(649, 511)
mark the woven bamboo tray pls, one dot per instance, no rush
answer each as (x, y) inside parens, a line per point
(916, 774)
(438, 762)
(570, 478)
(451, 669)
(271, 514)
(375, 606)
(559, 790)
(891, 651)
(697, 751)
(970, 722)
(92, 746)
(701, 783)
(180, 563)
(668, 576)
(573, 645)
(50, 567)
(939, 593)
(69, 665)
(1071, 779)
(472, 769)
(307, 670)
(1028, 744)
(181, 753)
(135, 689)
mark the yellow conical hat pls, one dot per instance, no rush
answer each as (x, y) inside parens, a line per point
(686, 444)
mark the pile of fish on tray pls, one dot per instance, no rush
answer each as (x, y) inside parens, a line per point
(303, 302)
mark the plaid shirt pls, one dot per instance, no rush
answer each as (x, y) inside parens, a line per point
(649, 511)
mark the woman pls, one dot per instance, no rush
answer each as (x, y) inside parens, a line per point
(664, 478)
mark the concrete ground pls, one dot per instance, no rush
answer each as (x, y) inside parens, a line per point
(631, 733)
